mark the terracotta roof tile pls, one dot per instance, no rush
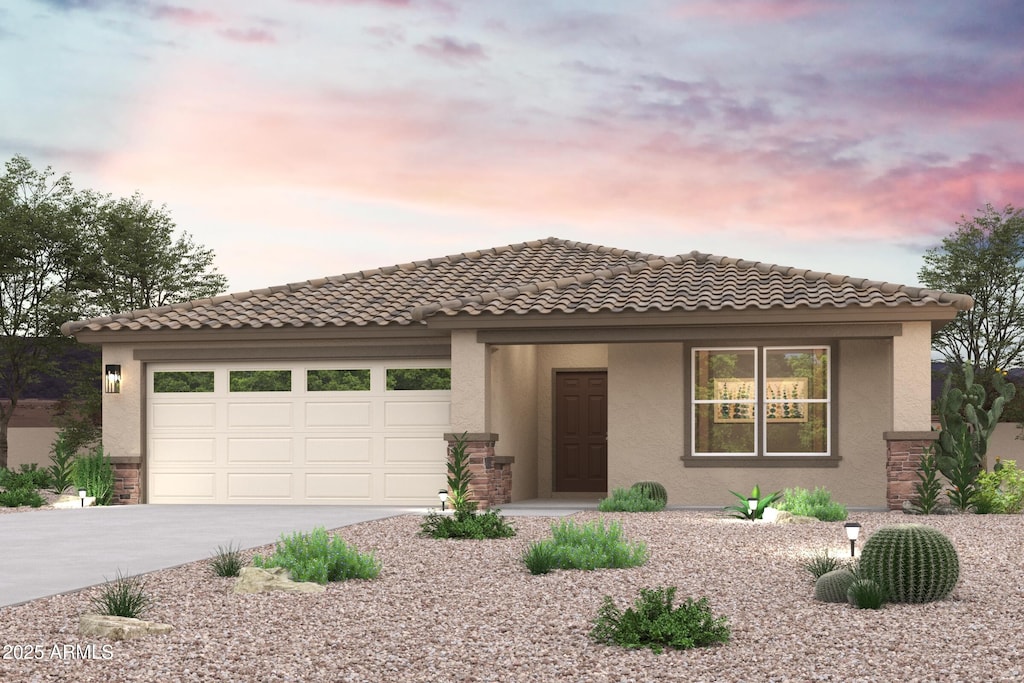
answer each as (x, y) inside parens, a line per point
(542, 276)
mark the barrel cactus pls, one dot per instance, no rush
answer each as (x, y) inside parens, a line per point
(832, 586)
(911, 563)
(652, 490)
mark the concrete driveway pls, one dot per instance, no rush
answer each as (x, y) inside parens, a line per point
(45, 552)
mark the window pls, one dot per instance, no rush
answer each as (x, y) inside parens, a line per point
(337, 380)
(771, 401)
(259, 380)
(419, 379)
(199, 381)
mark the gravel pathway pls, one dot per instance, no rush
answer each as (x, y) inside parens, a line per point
(469, 611)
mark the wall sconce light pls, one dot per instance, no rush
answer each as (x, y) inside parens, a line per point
(443, 495)
(852, 532)
(81, 496)
(112, 379)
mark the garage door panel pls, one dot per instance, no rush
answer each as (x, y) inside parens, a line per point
(171, 451)
(340, 487)
(259, 485)
(339, 415)
(184, 416)
(417, 414)
(331, 450)
(259, 415)
(414, 450)
(195, 487)
(260, 450)
(373, 446)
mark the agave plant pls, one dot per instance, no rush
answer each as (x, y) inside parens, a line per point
(743, 511)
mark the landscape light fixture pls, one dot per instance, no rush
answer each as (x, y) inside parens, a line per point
(443, 495)
(751, 506)
(852, 532)
(81, 496)
(112, 379)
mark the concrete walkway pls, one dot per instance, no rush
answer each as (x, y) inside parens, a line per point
(46, 552)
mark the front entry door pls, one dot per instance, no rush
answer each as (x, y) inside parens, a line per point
(581, 432)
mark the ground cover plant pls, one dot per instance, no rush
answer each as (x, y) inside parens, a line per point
(592, 545)
(817, 503)
(20, 488)
(654, 622)
(320, 558)
(1001, 491)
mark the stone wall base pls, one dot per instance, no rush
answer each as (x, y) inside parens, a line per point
(491, 483)
(903, 459)
(127, 481)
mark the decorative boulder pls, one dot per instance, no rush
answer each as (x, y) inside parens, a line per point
(69, 502)
(119, 628)
(257, 580)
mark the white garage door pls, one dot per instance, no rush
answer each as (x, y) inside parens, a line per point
(306, 433)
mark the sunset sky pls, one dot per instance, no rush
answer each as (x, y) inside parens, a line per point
(303, 138)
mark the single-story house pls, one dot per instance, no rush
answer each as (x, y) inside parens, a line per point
(571, 369)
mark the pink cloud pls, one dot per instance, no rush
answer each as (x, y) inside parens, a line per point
(252, 35)
(451, 50)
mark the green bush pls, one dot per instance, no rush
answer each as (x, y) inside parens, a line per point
(13, 498)
(226, 561)
(27, 477)
(833, 586)
(467, 524)
(655, 623)
(910, 562)
(865, 594)
(817, 503)
(823, 563)
(95, 474)
(630, 500)
(652, 489)
(125, 596)
(320, 558)
(594, 545)
(63, 459)
(1002, 490)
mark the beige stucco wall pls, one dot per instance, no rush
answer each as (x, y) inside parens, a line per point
(912, 377)
(1005, 444)
(514, 413)
(646, 429)
(28, 445)
(122, 412)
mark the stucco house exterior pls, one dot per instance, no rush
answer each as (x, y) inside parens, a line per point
(571, 368)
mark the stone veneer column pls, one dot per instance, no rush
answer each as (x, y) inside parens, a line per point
(491, 482)
(127, 481)
(903, 458)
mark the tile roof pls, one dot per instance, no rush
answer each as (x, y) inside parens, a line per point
(544, 276)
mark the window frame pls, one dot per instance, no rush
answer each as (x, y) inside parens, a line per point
(760, 456)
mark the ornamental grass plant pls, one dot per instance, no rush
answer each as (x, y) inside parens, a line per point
(594, 545)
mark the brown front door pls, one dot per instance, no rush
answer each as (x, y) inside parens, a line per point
(581, 432)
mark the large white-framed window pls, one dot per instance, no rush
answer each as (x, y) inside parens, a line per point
(761, 401)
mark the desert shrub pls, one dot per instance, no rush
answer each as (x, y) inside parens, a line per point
(125, 596)
(467, 524)
(910, 562)
(1001, 491)
(18, 497)
(594, 545)
(654, 622)
(823, 563)
(817, 503)
(630, 500)
(318, 557)
(27, 477)
(63, 461)
(929, 485)
(833, 586)
(95, 474)
(226, 561)
(865, 594)
(652, 489)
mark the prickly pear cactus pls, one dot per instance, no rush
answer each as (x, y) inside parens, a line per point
(832, 586)
(652, 490)
(911, 562)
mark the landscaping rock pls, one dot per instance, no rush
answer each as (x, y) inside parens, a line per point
(257, 580)
(73, 502)
(119, 628)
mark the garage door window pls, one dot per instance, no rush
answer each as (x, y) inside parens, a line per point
(183, 382)
(260, 380)
(419, 379)
(337, 380)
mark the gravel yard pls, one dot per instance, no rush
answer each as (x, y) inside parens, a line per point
(469, 611)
